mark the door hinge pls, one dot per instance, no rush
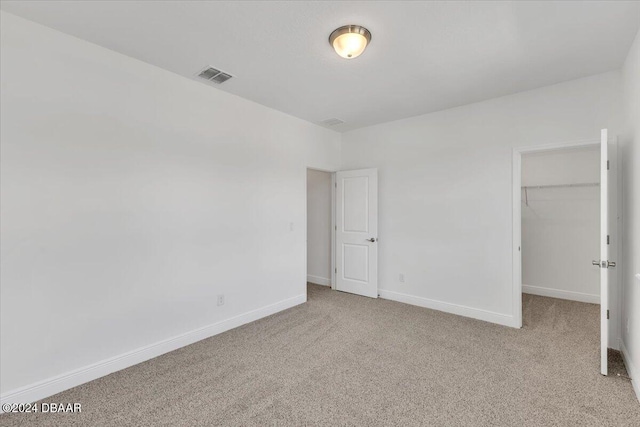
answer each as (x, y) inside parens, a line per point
(607, 164)
(607, 314)
(335, 269)
(335, 227)
(607, 239)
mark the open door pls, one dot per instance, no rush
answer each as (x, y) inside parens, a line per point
(357, 232)
(606, 181)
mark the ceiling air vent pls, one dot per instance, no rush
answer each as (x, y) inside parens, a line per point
(213, 75)
(332, 122)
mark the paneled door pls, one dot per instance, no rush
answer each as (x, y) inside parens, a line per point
(607, 181)
(357, 232)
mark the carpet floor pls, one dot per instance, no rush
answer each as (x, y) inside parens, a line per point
(342, 359)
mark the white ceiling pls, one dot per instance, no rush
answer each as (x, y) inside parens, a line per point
(423, 57)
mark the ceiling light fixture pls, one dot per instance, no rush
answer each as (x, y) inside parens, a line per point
(350, 41)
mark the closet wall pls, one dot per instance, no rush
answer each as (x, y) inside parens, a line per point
(560, 224)
(319, 227)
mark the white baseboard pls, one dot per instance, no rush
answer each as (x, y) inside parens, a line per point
(51, 386)
(318, 280)
(632, 370)
(460, 310)
(557, 293)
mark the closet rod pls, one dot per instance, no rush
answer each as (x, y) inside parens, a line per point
(588, 184)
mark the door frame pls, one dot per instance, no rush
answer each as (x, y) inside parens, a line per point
(516, 199)
(333, 224)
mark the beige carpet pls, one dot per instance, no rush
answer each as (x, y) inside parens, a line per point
(342, 359)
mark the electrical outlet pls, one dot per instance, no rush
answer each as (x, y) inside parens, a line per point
(220, 299)
(401, 278)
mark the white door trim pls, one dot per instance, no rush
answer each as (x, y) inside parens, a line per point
(517, 215)
(333, 231)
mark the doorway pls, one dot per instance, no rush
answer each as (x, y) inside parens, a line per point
(342, 230)
(319, 227)
(565, 231)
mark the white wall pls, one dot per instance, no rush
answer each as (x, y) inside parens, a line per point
(445, 185)
(562, 166)
(319, 227)
(131, 198)
(630, 155)
(561, 225)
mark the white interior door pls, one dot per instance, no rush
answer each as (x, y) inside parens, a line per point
(357, 232)
(606, 205)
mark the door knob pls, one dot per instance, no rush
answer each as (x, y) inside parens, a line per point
(372, 240)
(604, 264)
